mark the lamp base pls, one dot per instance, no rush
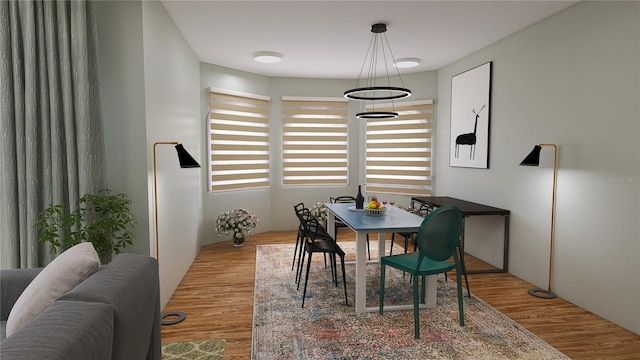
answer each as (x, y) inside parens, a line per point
(542, 293)
(179, 316)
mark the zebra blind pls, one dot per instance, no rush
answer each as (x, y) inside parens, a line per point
(398, 151)
(314, 141)
(239, 141)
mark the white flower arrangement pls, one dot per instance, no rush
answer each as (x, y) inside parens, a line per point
(319, 211)
(237, 221)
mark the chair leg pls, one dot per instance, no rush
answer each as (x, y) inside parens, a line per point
(368, 247)
(295, 251)
(406, 243)
(299, 272)
(306, 279)
(416, 309)
(344, 281)
(301, 257)
(464, 271)
(334, 269)
(393, 236)
(460, 296)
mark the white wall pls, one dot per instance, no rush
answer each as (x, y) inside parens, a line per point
(573, 80)
(172, 102)
(151, 93)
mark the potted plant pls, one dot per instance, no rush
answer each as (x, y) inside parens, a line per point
(104, 219)
(237, 221)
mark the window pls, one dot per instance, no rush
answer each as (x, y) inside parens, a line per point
(314, 141)
(398, 154)
(238, 141)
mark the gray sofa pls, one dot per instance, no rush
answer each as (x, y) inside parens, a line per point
(114, 314)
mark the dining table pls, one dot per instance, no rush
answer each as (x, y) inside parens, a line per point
(394, 220)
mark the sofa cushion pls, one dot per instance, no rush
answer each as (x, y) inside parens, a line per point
(66, 330)
(61, 275)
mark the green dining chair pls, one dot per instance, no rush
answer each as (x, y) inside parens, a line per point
(437, 241)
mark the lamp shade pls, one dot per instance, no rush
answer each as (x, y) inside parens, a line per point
(186, 160)
(533, 159)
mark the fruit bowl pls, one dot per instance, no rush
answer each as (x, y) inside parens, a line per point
(375, 212)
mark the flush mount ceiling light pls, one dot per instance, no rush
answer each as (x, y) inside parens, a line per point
(406, 63)
(369, 89)
(267, 57)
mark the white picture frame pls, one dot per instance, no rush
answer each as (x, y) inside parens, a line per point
(470, 115)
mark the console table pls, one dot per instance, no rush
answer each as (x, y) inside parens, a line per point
(471, 209)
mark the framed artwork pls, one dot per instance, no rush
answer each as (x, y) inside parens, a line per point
(470, 109)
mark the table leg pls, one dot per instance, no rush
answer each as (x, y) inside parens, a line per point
(361, 272)
(505, 255)
(331, 224)
(432, 291)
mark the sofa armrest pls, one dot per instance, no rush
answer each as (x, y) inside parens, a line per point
(131, 285)
(66, 330)
(12, 284)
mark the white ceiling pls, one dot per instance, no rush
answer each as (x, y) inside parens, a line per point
(329, 39)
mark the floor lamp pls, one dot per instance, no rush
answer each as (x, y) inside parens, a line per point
(533, 159)
(186, 161)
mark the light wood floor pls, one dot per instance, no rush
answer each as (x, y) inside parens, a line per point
(217, 296)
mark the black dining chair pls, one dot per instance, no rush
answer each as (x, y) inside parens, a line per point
(318, 241)
(297, 209)
(340, 224)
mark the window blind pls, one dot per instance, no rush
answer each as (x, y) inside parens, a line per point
(239, 140)
(314, 141)
(398, 151)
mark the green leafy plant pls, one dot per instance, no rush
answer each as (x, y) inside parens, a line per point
(104, 219)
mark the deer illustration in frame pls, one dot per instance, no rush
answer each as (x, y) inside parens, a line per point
(470, 109)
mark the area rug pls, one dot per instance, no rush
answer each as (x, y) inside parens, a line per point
(194, 350)
(328, 329)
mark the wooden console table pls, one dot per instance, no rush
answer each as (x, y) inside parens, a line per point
(470, 209)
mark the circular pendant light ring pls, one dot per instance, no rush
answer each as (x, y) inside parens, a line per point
(391, 93)
(377, 115)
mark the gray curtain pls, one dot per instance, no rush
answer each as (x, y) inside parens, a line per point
(51, 133)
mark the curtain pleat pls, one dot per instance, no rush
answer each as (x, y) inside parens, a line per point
(50, 119)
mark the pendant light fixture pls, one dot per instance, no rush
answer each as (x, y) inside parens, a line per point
(369, 89)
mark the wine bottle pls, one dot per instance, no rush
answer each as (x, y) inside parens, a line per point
(359, 198)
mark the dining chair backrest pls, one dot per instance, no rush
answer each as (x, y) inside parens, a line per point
(310, 224)
(342, 199)
(439, 233)
(424, 210)
(297, 208)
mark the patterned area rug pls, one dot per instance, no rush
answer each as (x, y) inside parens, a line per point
(328, 329)
(194, 350)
